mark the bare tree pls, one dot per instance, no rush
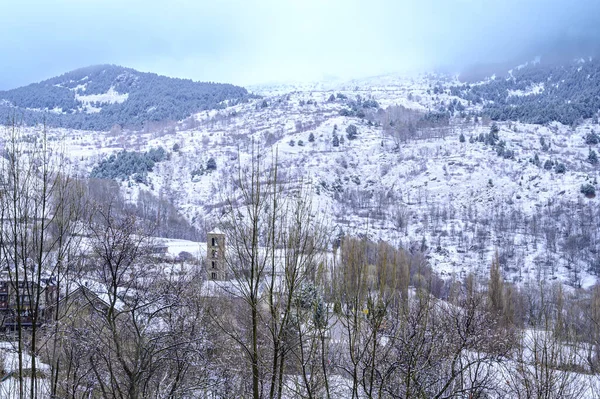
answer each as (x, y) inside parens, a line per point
(274, 246)
(39, 209)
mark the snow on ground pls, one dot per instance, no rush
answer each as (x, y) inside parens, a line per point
(406, 192)
(176, 247)
(533, 90)
(402, 191)
(9, 385)
(110, 97)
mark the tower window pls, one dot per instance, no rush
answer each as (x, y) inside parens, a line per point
(213, 276)
(214, 264)
(214, 241)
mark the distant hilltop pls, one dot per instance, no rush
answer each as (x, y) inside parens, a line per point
(101, 96)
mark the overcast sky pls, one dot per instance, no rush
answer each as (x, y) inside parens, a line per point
(252, 41)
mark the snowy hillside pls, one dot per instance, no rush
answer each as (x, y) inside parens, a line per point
(413, 183)
(540, 92)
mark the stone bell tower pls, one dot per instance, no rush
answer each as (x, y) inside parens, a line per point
(215, 255)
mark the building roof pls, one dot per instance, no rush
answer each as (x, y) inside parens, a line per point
(84, 292)
(216, 231)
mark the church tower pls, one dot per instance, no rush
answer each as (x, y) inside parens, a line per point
(215, 255)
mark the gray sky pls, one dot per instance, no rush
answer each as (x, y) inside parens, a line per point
(254, 41)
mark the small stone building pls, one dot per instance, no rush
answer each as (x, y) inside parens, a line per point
(215, 255)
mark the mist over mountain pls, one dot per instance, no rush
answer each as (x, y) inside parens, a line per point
(548, 52)
(99, 97)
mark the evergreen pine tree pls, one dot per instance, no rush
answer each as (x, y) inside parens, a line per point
(592, 157)
(588, 190)
(336, 140)
(351, 132)
(494, 128)
(592, 138)
(211, 164)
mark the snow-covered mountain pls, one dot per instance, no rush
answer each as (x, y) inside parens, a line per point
(425, 169)
(101, 96)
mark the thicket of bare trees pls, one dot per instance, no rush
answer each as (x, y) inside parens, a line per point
(40, 211)
(98, 315)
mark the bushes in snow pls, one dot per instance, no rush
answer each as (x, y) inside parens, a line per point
(351, 132)
(211, 164)
(588, 190)
(592, 138)
(560, 168)
(592, 157)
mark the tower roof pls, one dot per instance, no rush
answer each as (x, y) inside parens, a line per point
(216, 231)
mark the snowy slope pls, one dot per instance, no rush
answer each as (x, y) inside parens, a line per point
(461, 200)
